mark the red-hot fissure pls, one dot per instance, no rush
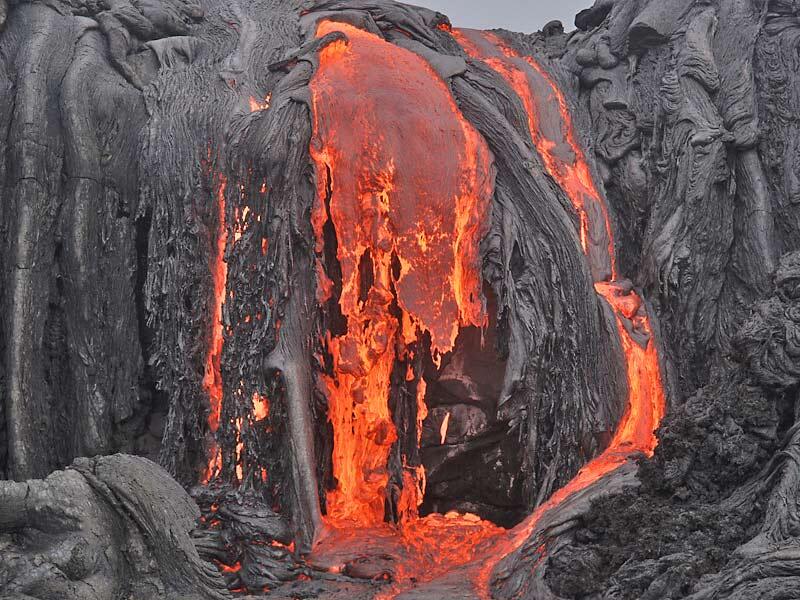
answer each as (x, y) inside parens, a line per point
(553, 135)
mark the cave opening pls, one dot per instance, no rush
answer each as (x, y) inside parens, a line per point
(471, 464)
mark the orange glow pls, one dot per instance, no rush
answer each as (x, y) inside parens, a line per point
(443, 428)
(234, 568)
(413, 494)
(422, 550)
(212, 379)
(239, 449)
(214, 463)
(411, 225)
(553, 135)
(422, 409)
(260, 406)
(212, 376)
(438, 543)
(551, 130)
(646, 404)
(257, 105)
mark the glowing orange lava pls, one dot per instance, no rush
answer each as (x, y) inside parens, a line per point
(212, 376)
(408, 184)
(553, 135)
(257, 105)
(422, 550)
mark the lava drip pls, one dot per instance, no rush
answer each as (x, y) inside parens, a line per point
(552, 133)
(212, 376)
(233, 405)
(406, 182)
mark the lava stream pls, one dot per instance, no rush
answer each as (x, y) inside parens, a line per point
(212, 376)
(407, 235)
(553, 135)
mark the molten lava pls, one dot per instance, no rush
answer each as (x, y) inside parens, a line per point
(212, 376)
(406, 183)
(553, 135)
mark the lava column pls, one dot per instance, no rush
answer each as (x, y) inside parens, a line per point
(406, 182)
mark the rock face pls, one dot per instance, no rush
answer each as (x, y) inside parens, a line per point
(110, 527)
(172, 281)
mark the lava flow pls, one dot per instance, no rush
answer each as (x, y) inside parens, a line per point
(212, 372)
(407, 231)
(212, 376)
(406, 183)
(553, 135)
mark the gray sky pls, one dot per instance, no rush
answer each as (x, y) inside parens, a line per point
(517, 15)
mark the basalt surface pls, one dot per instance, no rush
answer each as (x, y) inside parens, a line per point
(399, 305)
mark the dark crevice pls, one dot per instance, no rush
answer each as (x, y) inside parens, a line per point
(366, 275)
(470, 463)
(337, 322)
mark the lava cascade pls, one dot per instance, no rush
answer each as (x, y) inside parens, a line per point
(553, 135)
(407, 231)
(212, 375)
(550, 128)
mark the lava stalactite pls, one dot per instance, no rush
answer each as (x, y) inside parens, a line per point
(407, 183)
(553, 135)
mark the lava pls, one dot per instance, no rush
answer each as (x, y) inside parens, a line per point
(551, 131)
(407, 234)
(553, 135)
(212, 376)
(257, 105)
(422, 550)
